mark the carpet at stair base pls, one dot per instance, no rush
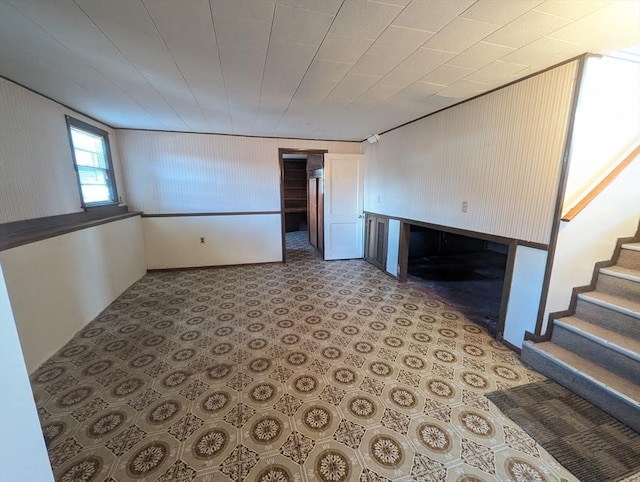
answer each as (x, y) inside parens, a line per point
(591, 444)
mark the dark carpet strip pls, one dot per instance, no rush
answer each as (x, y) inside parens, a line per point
(591, 444)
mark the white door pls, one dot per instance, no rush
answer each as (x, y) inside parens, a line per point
(343, 206)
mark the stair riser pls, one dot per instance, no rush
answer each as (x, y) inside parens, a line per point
(602, 355)
(623, 410)
(611, 320)
(629, 258)
(621, 287)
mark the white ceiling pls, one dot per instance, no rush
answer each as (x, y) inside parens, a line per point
(325, 69)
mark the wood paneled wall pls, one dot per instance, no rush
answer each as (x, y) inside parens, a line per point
(501, 152)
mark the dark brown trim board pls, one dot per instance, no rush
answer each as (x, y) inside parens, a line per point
(562, 184)
(19, 233)
(169, 131)
(58, 102)
(281, 151)
(506, 290)
(213, 266)
(509, 345)
(180, 215)
(590, 287)
(403, 251)
(579, 57)
(465, 232)
(238, 135)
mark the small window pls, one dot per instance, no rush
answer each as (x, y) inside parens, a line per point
(92, 158)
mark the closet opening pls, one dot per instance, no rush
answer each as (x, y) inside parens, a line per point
(464, 271)
(301, 184)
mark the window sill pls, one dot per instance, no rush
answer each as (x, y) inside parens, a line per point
(19, 233)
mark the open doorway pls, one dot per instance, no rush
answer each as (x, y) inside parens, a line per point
(462, 270)
(301, 201)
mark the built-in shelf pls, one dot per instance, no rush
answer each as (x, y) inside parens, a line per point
(295, 193)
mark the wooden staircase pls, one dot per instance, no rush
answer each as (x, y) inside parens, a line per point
(594, 349)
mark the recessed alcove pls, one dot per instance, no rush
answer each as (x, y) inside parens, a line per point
(464, 271)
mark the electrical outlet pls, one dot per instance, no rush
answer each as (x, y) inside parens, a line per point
(465, 206)
(202, 240)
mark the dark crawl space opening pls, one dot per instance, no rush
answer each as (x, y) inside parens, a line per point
(462, 271)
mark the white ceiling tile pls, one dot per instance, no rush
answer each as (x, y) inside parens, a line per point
(496, 72)
(255, 10)
(375, 65)
(340, 48)
(16, 25)
(612, 27)
(156, 63)
(398, 3)
(364, 19)
(243, 38)
(572, 10)
(284, 70)
(463, 89)
(77, 84)
(374, 96)
(381, 92)
(498, 11)
(479, 55)
(446, 75)
(525, 29)
(329, 7)
(419, 91)
(184, 29)
(460, 34)
(544, 52)
(189, 36)
(400, 78)
(424, 60)
(431, 15)
(399, 41)
(349, 88)
(292, 24)
(130, 28)
(320, 80)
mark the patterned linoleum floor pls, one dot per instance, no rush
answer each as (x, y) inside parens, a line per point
(305, 371)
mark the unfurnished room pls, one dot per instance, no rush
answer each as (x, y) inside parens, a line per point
(319, 240)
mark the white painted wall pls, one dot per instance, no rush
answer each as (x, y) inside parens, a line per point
(22, 447)
(393, 247)
(177, 173)
(173, 242)
(58, 285)
(607, 123)
(501, 152)
(524, 299)
(37, 176)
(607, 126)
(591, 237)
(172, 172)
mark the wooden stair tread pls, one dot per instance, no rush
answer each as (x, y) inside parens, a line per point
(615, 341)
(616, 303)
(601, 376)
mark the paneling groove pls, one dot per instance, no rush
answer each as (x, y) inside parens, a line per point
(501, 153)
(170, 172)
(37, 177)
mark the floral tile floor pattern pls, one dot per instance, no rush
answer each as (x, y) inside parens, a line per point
(305, 371)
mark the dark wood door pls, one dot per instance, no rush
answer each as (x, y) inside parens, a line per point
(376, 240)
